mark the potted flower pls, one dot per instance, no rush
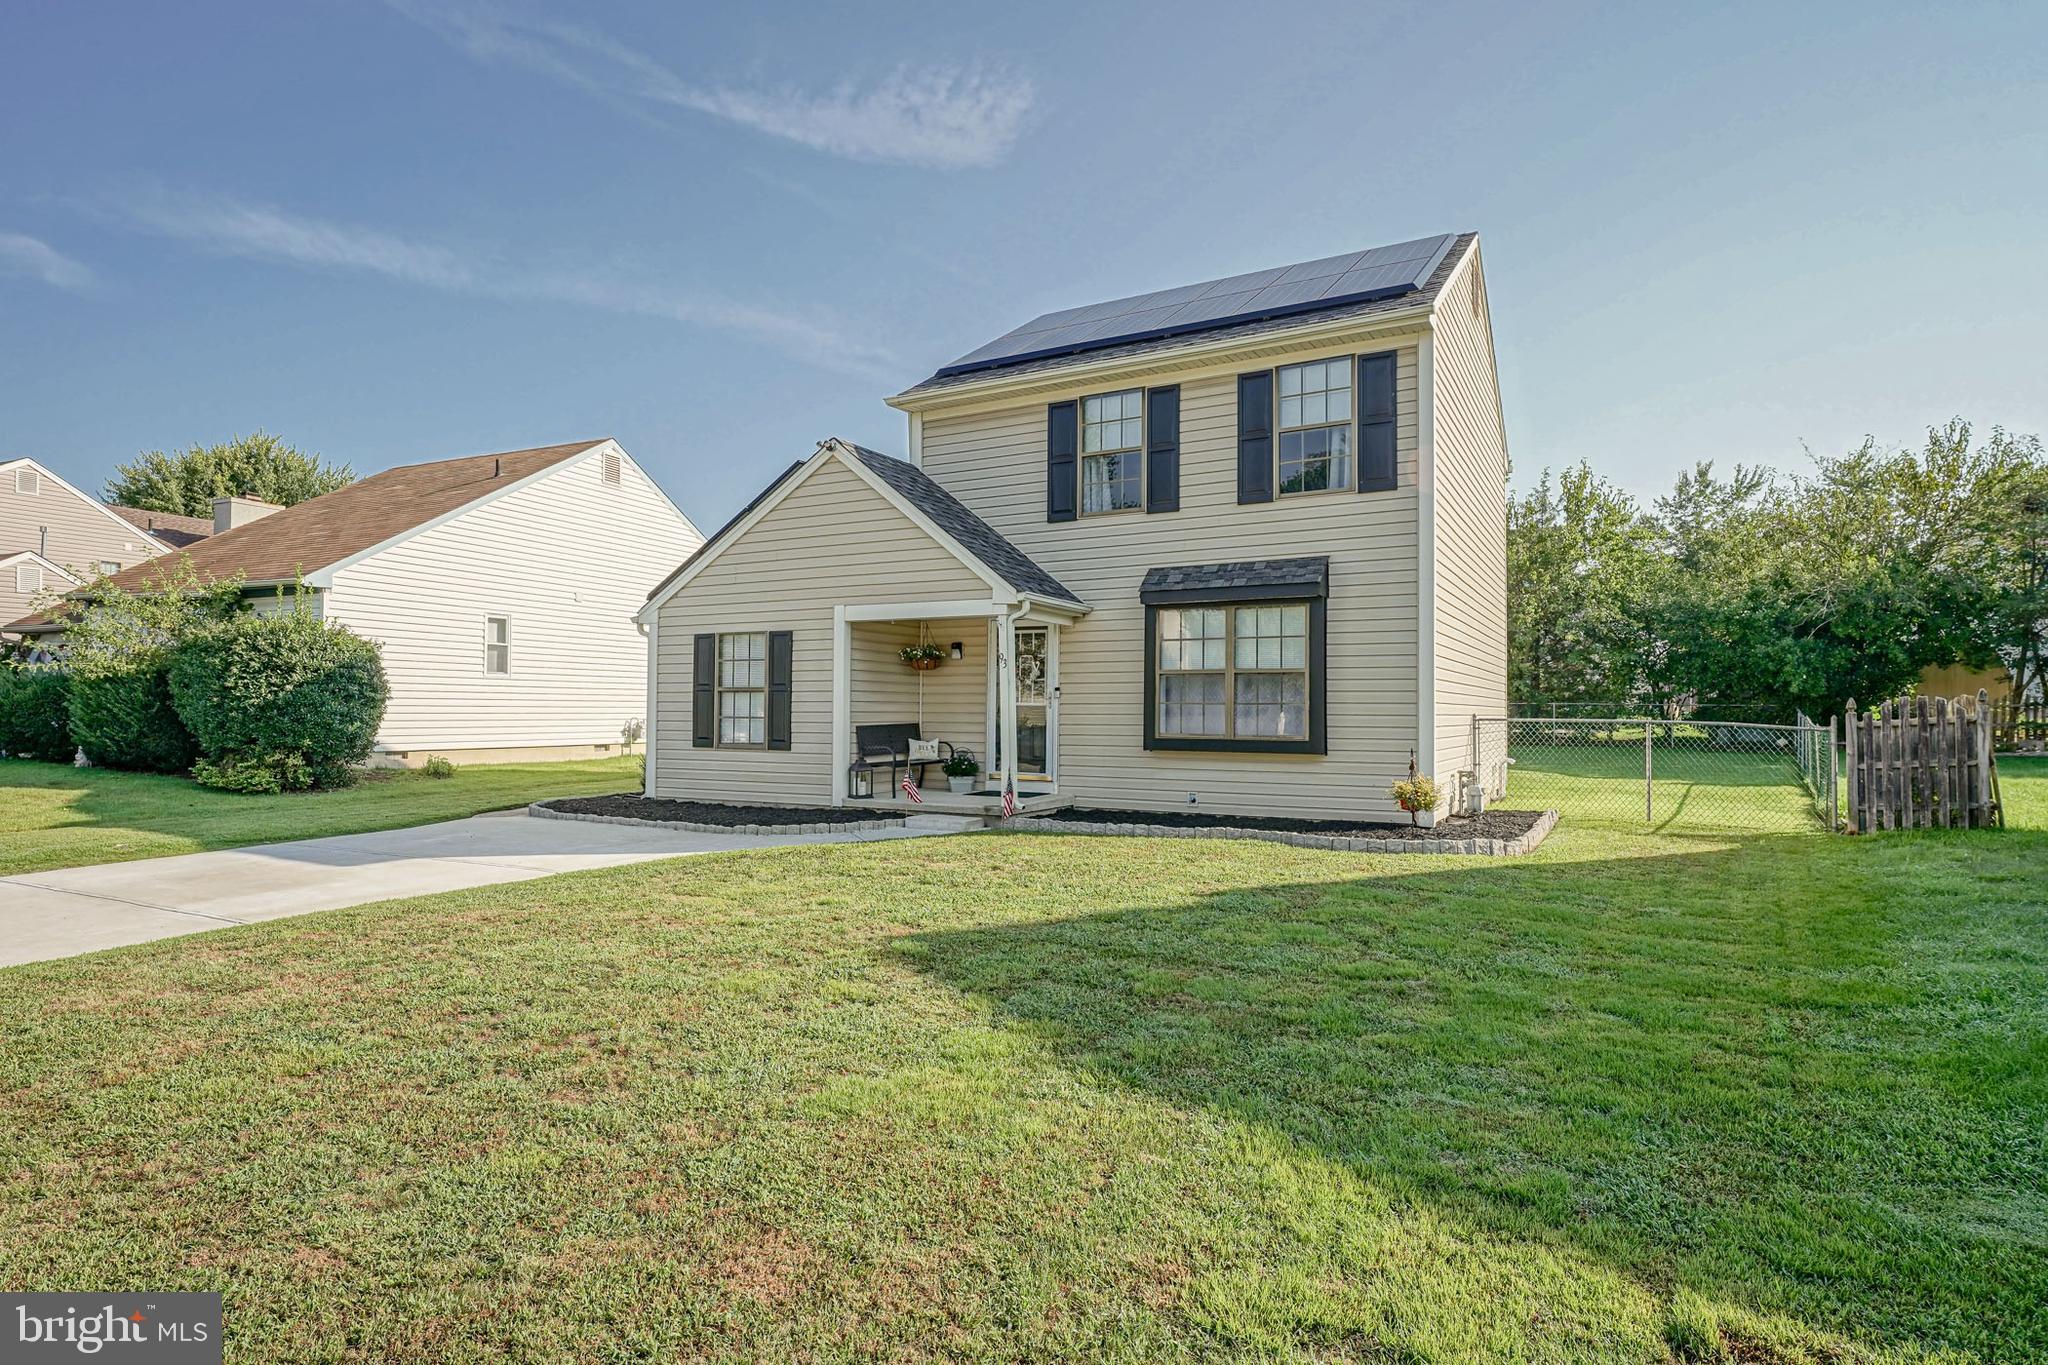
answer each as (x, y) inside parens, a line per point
(1416, 795)
(923, 657)
(962, 769)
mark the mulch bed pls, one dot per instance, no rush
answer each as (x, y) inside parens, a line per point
(627, 806)
(1493, 824)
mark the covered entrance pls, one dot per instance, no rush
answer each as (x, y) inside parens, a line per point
(980, 678)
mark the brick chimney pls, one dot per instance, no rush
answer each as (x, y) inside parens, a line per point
(230, 512)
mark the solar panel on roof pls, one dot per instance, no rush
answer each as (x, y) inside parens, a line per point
(1311, 286)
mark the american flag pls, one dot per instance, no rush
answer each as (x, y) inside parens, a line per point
(909, 785)
(1009, 797)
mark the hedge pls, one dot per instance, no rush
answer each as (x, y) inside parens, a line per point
(125, 718)
(279, 703)
(35, 717)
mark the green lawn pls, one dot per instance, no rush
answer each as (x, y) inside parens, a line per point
(1634, 1097)
(52, 815)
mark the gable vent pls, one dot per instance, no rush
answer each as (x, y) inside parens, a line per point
(28, 578)
(612, 471)
(27, 481)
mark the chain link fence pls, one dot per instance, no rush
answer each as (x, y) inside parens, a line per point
(1663, 775)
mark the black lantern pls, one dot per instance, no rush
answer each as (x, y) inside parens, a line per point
(860, 780)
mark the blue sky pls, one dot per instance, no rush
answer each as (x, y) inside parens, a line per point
(399, 231)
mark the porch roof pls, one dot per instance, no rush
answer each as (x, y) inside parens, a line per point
(976, 536)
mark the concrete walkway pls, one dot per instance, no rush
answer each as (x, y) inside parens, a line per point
(82, 909)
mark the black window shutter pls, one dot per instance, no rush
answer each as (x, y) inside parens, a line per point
(1062, 475)
(1162, 449)
(779, 658)
(1255, 437)
(703, 701)
(1377, 471)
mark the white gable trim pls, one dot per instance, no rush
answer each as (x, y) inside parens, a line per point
(324, 577)
(9, 561)
(999, 590)
(7, 468)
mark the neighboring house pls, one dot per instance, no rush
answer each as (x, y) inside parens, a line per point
(53, 537)
(502, 589)
(1245, 540)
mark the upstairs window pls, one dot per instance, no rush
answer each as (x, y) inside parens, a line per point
(1112, 452)
(743, 689)
(497, 644)
(110, 567)
(27, 481)
(1315, 426)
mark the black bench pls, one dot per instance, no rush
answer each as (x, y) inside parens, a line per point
(890, 744)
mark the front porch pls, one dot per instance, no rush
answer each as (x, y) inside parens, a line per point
(992, 690)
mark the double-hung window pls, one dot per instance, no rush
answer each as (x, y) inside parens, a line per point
(1112, 451)
(1315, 426)
(743, 689)
(497, 644)
(1235, 656)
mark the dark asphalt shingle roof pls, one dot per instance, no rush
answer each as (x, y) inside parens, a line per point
(976, 536)
(172, 528)
(1310, 573)
(1431, 287)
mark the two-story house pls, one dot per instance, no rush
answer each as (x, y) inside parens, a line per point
(54, 537)
(1241, 544)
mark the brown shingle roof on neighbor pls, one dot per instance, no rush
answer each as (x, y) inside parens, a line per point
(172, 528)
(328, 529)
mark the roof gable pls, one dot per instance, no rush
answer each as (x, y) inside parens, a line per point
(316, 535)
(44, 472)
(976, 544)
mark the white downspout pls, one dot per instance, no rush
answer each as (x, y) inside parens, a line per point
(648, 631)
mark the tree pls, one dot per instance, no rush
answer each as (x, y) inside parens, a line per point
(259, 466)
(1579, 557)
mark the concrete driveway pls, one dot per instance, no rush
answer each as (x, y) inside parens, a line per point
(81, 909)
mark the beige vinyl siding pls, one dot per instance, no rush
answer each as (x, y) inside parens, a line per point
(1471, 662)
(994, 461)
(833, 540)
(80, 534)
(949, 702)
(567, 560)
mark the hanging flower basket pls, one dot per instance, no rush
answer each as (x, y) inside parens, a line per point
(923, 658)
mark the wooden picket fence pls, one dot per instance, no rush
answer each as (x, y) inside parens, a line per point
(1922, 763)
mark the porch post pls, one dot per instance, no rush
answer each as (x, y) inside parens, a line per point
(842, 703)
(1006, 692)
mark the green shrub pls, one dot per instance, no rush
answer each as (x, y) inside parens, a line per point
(125, 719)
(290, 695)
(121, 645)
(285, 772)
(35, 717)
(437, 766)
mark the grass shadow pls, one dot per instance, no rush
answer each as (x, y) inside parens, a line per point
(1799, 1074)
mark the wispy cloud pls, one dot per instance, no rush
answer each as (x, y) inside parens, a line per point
(262, 232)
(21, 254)
(942, 116)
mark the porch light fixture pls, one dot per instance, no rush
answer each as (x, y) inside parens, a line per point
(958, 652)
(860, 780)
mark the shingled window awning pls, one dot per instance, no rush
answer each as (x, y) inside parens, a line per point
(1255, 580)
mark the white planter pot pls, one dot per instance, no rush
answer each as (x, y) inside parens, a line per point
(962, 784)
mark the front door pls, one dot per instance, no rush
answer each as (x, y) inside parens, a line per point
(1037, 709)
